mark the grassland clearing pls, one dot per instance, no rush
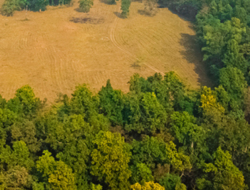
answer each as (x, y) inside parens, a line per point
(55, 50)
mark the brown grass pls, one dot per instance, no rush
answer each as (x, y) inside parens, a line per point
(53, 54)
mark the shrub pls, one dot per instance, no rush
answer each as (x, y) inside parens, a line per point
(85, 5)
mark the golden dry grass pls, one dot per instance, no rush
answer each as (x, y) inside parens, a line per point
(53, 54)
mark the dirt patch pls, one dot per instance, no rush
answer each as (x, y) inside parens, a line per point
(88, 20)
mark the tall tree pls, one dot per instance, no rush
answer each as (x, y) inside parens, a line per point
(125, 8)
(110, 160)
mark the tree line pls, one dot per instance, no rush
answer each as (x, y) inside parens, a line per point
(160, 135)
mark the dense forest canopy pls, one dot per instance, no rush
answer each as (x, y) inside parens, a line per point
(160, 135)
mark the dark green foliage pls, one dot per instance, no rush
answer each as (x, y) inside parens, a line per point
(144, 113)
(37, 5)
(172, 182)
(221, 173)
(149, 151)
(233, 81)
(26, 132)
(112, 104)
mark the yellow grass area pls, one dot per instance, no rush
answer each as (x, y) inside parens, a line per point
(53, 54)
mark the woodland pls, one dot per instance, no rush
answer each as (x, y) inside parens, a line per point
(160, 135)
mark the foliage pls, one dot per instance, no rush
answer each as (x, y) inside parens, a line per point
(110, 160)
(147, 186)
(144, 113)
(171, 181)
(125, 8)
(221, 173)
(56, 173)
(85, 5)
(141, 173)
(167, 134)
(149, 151)
(112, 104)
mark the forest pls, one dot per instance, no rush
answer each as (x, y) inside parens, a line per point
(160, 135)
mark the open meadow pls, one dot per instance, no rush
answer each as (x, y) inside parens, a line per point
(57, 49)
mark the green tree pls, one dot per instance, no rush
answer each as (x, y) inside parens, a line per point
(25, 103)
(15, 178)
(221, 173)
(233, 81)
(57, 174)
(172, 182)
(233, 57)
(111, 104)
(26, 132)
(147, 186)
(110, 160)
(125, 8)
(144, 113)
(188, 135)
(19, 156)
(141, 173)
(85, 5)
(8, 8)
(178, 160)
(149, 151)
(38, 5)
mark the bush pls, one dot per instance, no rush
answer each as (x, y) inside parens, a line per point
(125, 8)
(85, 5)
(8, 8)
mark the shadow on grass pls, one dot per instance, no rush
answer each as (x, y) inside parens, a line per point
(108, 2)
(145, 13)
(193, 55)
(89, 20)
(119, 15)
(141, 12)
(79, 10)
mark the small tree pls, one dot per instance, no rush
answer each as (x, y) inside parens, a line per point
(125, 8)
(8, 8)
(85, 5)
(150, 7)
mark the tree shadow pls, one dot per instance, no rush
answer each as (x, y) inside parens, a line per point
(145, 13)
(193, 55)
(182, 16)
(108, 2)
(141, 12)
(119, 15)
(78, 10)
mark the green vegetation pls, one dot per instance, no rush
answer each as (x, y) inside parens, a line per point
(85, 5)
(10, 6)
(125, 8)
(160, 135)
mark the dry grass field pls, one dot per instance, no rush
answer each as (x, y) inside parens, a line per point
(55, 50)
